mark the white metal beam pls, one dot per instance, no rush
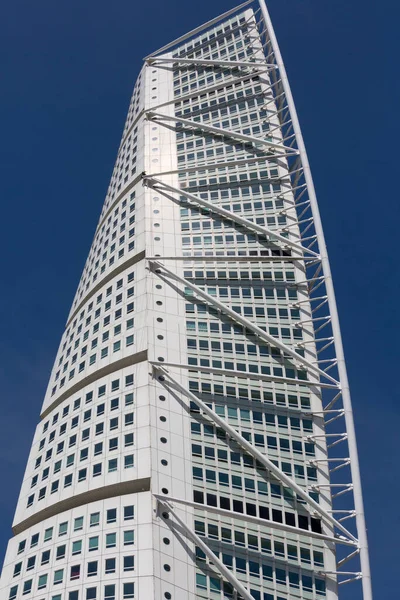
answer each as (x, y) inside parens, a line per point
(192, 535)
(346, 397)
(227, 133)
(155, 265)
(256, 521)
(152, 182)
(253, 451)
(211, 63)
(246, 375)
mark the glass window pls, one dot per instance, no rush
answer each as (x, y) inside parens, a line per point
(27, 587)
(75, 572)
(128, 590)
(58, 576)
(13, 592)
(93, 543)
(128, 537)
(128, 461)
(63, 528)
(77, 547)
(110, 565)
(129, 513)
(94, 519)
(92, 568)
(45, 557)
(42, 581)
(129, 563)
(48, 534)
(111, 540)
(78, 523)
(111, 515)
(109, 592)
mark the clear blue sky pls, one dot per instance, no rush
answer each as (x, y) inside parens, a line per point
(67, 71)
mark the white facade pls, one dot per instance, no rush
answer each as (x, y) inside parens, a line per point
(192, 441)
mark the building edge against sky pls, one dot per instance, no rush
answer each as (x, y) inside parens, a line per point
(196, 439)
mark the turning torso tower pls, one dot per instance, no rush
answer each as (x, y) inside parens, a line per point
(196, 439)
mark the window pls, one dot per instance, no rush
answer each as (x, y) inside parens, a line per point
(111, 540)
(97, 469)
(113, 444)
(110, 565)
(60, 552)
(31, 563)
(93, 543)
(111, 515)
(34, 540)
(129, 419)
(58, 576)
(45, 557)
(63, 528)
(128, 461)
(129, 563)
(78, 523)
(48, 534)
(27, 587)
(128, 590)
(42, 582)
(13, 592)
(92, 568)
(75, 572)
(21, 546)
(17, 569)
(109, 592)
(129, 513)
(73, 595)
(77, 547)
(91, 593)
(98, 448)
(94, 519)
(112, 465)
(128, 399)
(128, 537)
(128, 440)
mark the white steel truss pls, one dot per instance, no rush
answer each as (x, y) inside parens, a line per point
(327, 372)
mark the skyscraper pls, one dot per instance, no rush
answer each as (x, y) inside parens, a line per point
(196, 439)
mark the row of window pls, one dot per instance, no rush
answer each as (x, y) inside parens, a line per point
(97, 450)
(90, 593)
(96, 470)
(78, 525)
(105, 236)
(101, 391)
(245, 394)
(257, 510)
(287, 550)
(92, 567)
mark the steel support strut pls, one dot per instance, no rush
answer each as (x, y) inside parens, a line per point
(192, 535)
(253, 451)
(341, 366)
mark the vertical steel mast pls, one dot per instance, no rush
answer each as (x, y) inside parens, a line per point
(341, 365)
